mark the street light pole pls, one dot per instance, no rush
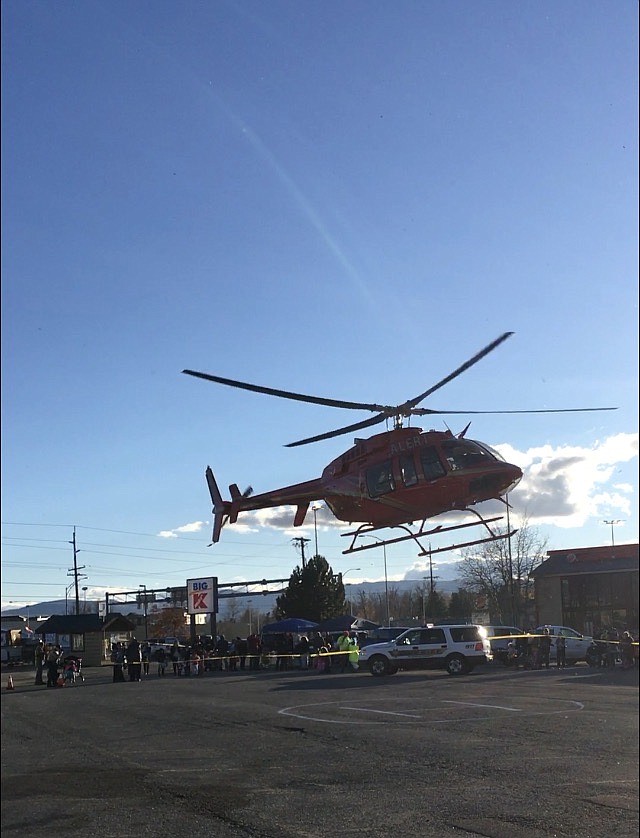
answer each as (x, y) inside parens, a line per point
(386, 581)
(66, 597)
(342, 575)
(315, 509)
(146, 627)
(510, 557)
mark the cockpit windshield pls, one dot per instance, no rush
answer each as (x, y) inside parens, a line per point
(465, 453)
(491, 451)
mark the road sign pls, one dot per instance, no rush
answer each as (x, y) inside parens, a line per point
(202, 595)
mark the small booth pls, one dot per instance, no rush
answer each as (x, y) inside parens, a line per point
(86, 635)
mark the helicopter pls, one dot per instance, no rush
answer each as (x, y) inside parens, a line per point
(402, 478)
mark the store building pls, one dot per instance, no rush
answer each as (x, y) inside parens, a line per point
(589, 588)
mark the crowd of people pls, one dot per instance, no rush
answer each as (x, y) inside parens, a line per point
(612, 646)
(533, 651)
(61, 669)
(324, 652)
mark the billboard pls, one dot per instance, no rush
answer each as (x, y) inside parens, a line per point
(202, 595)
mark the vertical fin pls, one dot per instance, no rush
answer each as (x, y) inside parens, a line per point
(219, 506)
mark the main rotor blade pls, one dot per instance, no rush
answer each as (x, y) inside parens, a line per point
(425, 411)
(457, 371)
(286, 394)
(367, 423)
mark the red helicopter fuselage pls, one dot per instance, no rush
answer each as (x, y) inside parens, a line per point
(407, 475)
(397, 477)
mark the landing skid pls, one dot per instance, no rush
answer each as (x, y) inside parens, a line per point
(367, 529)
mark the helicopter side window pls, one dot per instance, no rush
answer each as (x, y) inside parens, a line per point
(408, 471)
(431, 465)
(380, 479)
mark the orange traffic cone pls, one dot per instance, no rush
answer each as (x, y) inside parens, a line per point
(10, 683)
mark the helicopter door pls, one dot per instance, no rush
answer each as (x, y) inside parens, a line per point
(380, 479)
(431, 465)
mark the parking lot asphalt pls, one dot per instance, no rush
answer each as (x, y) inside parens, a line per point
(501, 753)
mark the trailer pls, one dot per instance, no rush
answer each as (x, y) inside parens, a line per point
(17, 646)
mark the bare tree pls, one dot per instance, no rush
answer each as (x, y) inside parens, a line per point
(501, 571)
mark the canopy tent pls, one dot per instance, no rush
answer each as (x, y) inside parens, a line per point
(291, 624)
(364, 625)
(346, 623)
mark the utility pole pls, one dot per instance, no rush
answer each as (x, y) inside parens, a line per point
(612, 525)
(300, 542)
(424, 604)
(75, 570)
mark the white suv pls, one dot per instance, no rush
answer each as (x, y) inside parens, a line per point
(454, 648)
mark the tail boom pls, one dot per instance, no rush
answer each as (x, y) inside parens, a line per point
(227, 511)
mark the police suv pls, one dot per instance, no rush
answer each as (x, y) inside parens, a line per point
(458, 649)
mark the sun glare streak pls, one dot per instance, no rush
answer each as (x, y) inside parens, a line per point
(295, 193)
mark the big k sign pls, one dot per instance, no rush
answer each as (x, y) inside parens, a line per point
(202, 595)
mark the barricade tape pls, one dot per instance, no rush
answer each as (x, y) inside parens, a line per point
(237, 657)
(529, 635)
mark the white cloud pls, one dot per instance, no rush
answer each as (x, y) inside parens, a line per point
(568, 485)
(196, 526)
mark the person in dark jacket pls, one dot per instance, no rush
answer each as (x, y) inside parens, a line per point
(118, 659)
(39, 656)
(134, 660)
(544, 648)
(53, 659)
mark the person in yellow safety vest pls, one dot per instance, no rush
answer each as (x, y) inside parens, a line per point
(354, 652)
(343, 646)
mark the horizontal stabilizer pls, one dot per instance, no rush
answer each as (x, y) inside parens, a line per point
(301, 512)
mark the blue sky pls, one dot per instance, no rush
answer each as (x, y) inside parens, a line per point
(342, 199)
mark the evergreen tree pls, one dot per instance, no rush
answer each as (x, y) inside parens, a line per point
(461, 605)
(314, 593)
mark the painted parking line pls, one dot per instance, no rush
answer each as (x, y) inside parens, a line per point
(330, 712)
(382, 712)
(492, 706)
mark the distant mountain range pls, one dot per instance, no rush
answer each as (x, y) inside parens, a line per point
(261, 603)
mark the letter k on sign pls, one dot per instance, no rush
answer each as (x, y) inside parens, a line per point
(199, 600)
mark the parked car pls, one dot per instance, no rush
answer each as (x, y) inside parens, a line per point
(458, 649)
(576, 643)
(499, 637)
